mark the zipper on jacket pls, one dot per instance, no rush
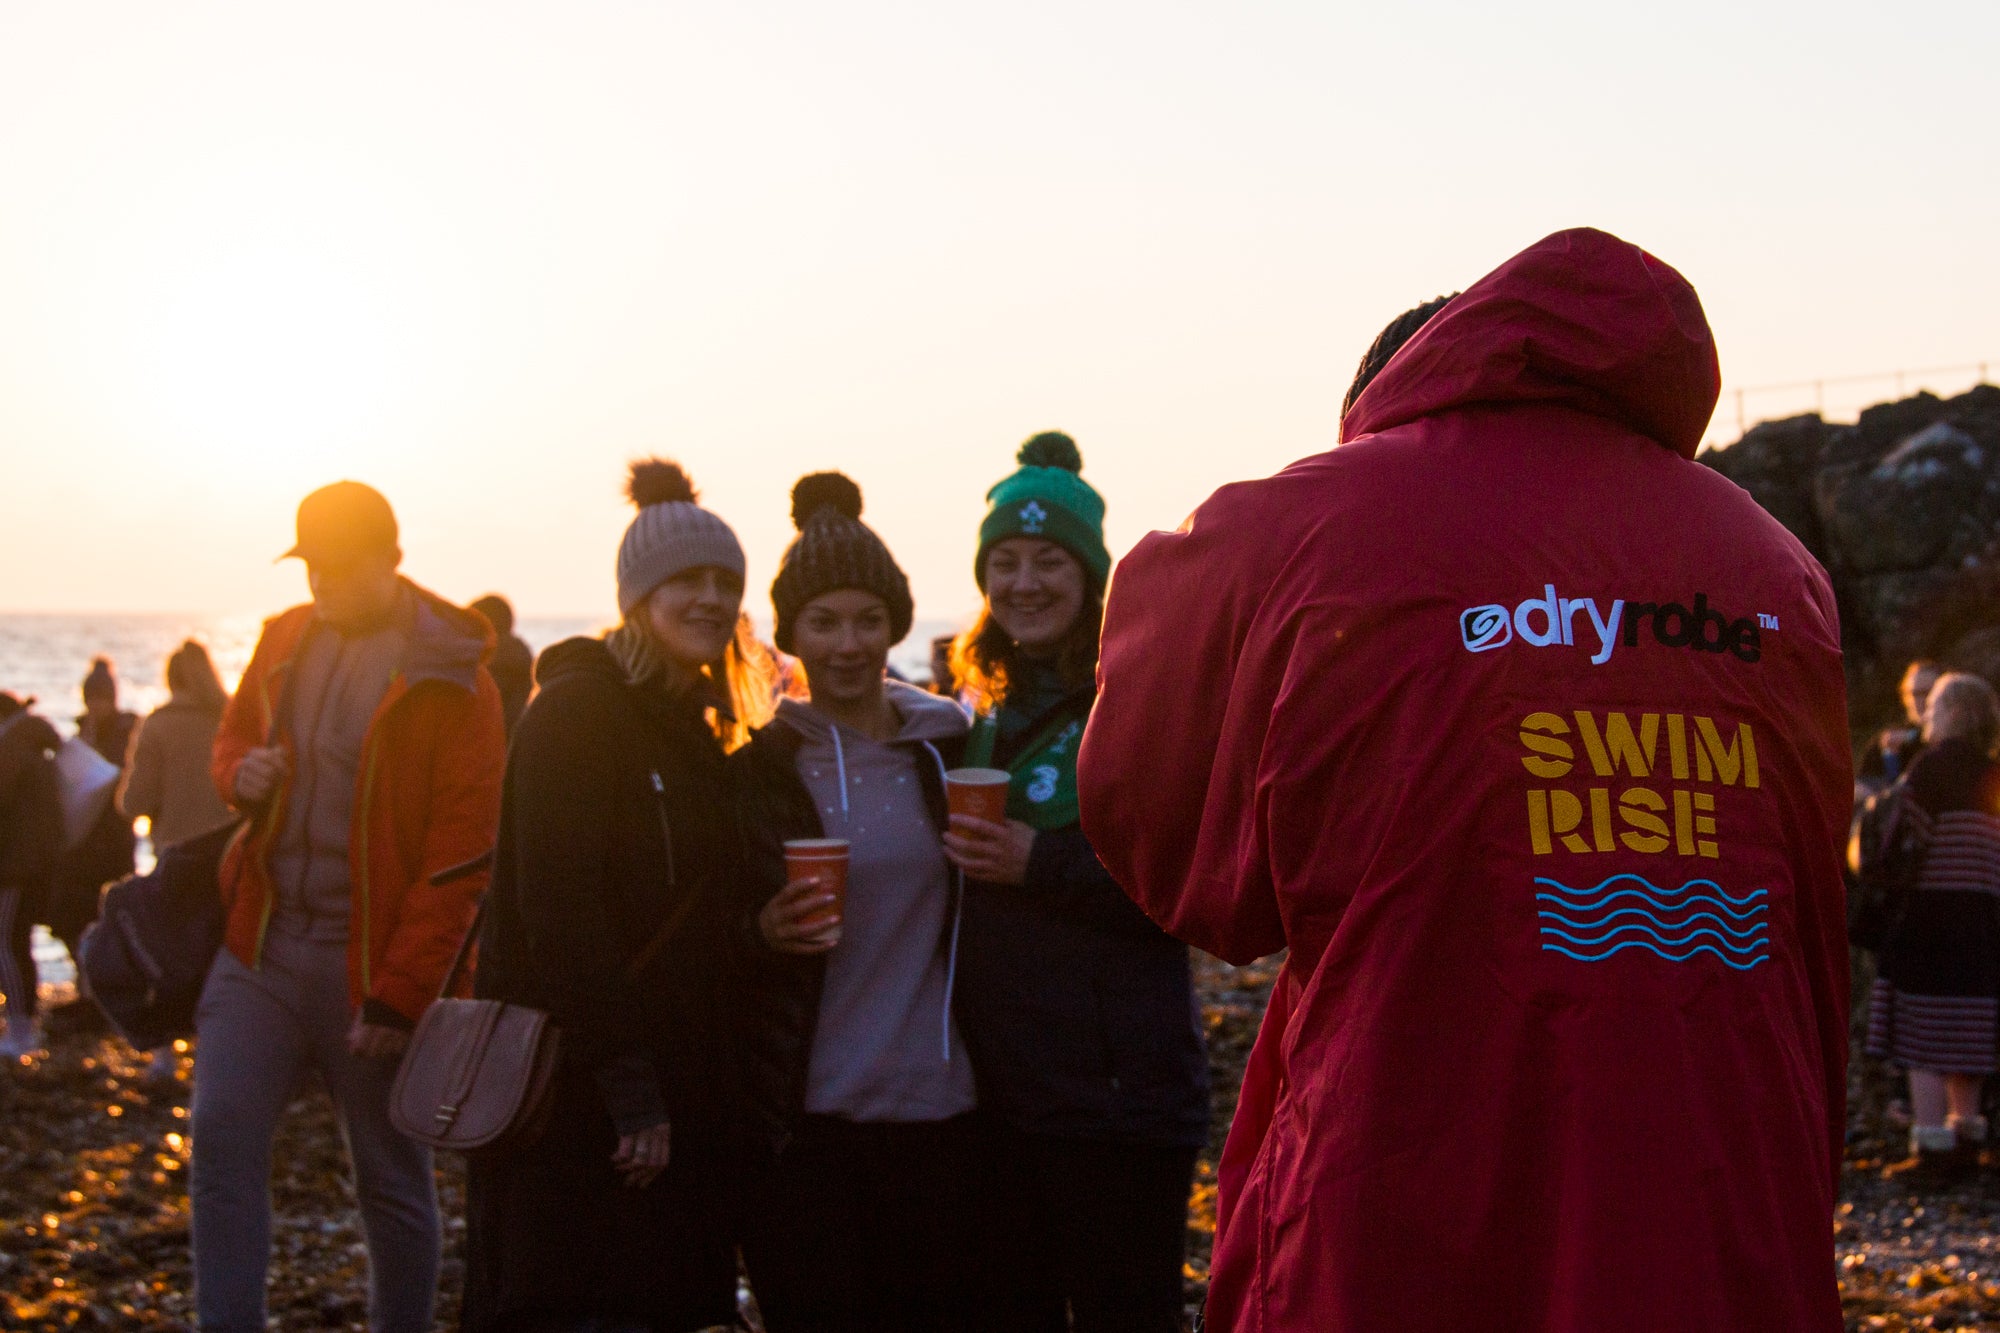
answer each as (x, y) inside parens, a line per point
(666, 829)
(256, 846)
(361, 820)
(367, 795)
(957, 914)
(261, 849)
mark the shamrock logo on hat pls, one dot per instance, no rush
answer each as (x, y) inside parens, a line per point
(1033, 516)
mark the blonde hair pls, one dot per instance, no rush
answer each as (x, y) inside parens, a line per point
(1962, 706)
(748, 675)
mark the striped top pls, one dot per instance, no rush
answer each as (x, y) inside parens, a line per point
(1964, 851)
(1956, 806)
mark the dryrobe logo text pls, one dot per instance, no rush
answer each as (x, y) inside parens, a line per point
(1550, 620)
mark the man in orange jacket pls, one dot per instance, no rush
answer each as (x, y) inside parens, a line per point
(366, 746)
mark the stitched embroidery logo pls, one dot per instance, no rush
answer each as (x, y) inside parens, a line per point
(1033, 516)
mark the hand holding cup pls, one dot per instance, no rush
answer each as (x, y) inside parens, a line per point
(805, 916)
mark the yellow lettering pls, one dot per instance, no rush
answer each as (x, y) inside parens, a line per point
(1538, 822)
(1636, 751)
(1559, 754)
(1737, 758)
(1600, 819)
(1593, 744)
(1650, 831)
(1705, 823)
(1677, 746)
(1683, 824)
(1565, 814)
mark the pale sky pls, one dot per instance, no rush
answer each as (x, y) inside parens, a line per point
(479, 255)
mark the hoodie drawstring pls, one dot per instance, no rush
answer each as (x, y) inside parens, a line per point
(840, 763)
(957, 911)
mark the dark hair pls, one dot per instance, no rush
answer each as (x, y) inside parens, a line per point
(1389, 342)
(191, 673)
(981, 656)
(498, 614)
(100, 679)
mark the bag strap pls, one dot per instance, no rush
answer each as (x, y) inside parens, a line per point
(640, 961)
(458, 961)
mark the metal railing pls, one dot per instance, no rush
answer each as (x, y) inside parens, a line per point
(1836, 397)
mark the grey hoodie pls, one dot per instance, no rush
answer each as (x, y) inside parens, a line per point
(887, 1047)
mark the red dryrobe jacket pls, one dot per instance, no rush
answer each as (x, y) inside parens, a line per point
(1526, 735)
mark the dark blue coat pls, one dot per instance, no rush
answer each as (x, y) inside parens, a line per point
(1079, 1012)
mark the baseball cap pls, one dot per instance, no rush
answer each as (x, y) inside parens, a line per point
(342, 522)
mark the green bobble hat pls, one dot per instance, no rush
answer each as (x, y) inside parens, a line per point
(1047, 498)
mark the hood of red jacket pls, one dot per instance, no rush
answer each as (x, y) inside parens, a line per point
(1580, 319)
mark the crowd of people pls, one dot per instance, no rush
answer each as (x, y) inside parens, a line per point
(968, 1093)
(1522, 736)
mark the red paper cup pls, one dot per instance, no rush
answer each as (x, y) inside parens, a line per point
(822, 859)
(980, 792)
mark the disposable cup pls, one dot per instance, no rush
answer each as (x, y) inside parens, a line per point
(980, 792)
(823, 859)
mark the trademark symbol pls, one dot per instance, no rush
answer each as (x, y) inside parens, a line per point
(1766, 622)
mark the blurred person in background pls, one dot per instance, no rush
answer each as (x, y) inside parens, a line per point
(167, 782)
(1895, 749)
(1080, 1012)
(1933, 1008)
(512, 663)
(107, 849)
(31, 836)
(365, 746)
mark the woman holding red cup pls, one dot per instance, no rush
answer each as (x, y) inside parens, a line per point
(1080, 1012)
(863, 1223)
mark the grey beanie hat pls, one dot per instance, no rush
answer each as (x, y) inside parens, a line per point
(671, 534)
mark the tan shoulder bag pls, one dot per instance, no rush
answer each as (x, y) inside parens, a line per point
(479, 1073)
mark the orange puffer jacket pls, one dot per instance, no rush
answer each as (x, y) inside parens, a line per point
(428, 798)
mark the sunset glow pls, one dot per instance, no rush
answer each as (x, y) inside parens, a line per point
(480, 257)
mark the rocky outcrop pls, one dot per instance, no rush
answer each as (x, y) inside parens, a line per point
(1903, 509)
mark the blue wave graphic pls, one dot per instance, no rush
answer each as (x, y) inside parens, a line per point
(1670, 957)
(1573, 922)
(1674, 924)
(1678, 942)
(1655, 890)
(1696, 900)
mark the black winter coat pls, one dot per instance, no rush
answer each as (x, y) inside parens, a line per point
(1079, 1012)
(781, 1013)
(613, 816)
(31, 822)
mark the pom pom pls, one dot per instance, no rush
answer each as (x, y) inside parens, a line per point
(822, 490)
(655, 481)
(1051, 448)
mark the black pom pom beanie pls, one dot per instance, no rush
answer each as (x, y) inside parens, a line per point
(672, 533)
(835, 550)
(1047, 498)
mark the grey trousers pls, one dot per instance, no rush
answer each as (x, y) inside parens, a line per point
(259, 1032)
